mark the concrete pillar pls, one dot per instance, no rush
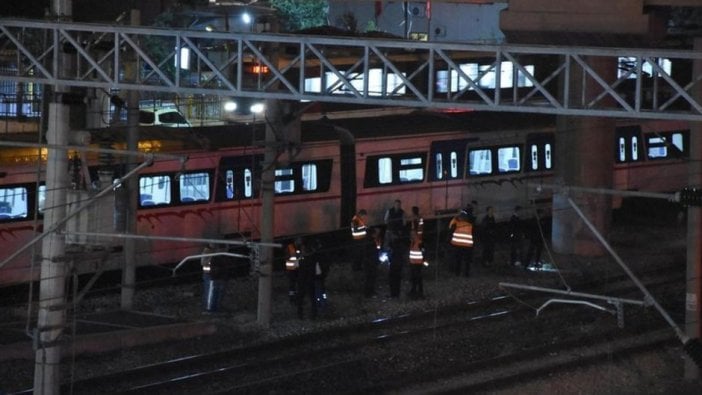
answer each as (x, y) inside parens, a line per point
(52, 299)
(584, 157)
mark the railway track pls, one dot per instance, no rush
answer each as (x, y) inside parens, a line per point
(371, 354)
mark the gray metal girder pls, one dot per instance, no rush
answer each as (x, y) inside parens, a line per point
(221, 65)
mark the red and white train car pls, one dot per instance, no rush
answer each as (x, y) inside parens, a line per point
(435, 161)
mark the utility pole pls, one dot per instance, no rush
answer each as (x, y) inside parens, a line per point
(51, 318)
(132, 184)
(267, 215)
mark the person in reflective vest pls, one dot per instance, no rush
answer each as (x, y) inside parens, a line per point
(417, 222)
(417, 263)
(461, 231)
(359, 233)
(292, 263)
(214, 278)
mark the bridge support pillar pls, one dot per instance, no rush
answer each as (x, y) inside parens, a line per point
(584, 157)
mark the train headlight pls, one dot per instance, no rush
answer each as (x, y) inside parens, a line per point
(230, 106)
(383, 257)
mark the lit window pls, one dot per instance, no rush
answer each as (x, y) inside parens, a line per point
(154, 190)
(480, 161)
(284, 182)
(194, 187)
(454, 165)
(248, 187)
(229, 185)
(41, 199)
(622, 150)
(384, 171)
(534, 157)
(439, 166)
(309, 177)
(634, 148)
(13, 203)
(657, 148)
(411, 169)
(547, 153)
(508, 159)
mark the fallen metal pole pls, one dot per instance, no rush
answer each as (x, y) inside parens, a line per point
(187, 258)
(575, 294)
(681, 335)
(604, 191)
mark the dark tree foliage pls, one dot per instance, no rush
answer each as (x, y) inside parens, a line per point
(300, 14)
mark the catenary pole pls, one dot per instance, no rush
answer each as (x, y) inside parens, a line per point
(51, 317)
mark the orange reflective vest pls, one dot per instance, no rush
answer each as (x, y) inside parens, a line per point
(418, 226)
(358, 228)
(293, 261)
(462, 232)
(416, 256)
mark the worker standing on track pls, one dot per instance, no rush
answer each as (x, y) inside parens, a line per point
(488, 236)
(292, 265)
(516, 237)
(308, 272)
(359, 233)
(461, 231)
(417, 263)
(214, 276)
(395, 222)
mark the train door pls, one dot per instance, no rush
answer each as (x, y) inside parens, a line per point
(446, 172)
(236, 194)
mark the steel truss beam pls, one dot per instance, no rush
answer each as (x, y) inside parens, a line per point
(221, 64)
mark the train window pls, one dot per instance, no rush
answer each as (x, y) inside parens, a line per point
(480, 161)
(384, 170)
(395, 169)
(534, 157)
(309, 177)
(248, 188)
(666, 145)
(547, 156)
(13, 203)
(194, 187)
(41, 199)
(229, 184)
(483, 76)
(627, 67)
(508, 159)
(284, 181)
(154, 190)
(411, 169)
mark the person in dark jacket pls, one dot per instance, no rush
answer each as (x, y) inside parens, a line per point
(534, 232)
(488, 236)
(306, 277)
(215, 276)
(516, 237)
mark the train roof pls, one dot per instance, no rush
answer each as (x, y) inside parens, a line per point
(323, 129)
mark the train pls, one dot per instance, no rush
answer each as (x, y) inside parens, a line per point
(438, 161)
